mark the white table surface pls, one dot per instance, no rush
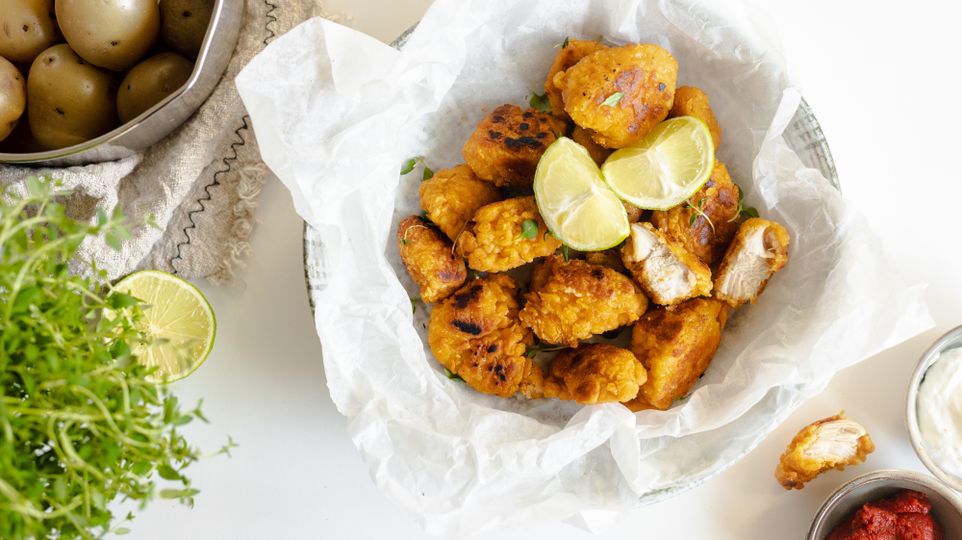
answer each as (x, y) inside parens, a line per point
(883, 78)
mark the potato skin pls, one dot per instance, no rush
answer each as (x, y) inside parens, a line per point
(27, 28)
(69, 101)
(183, 24)
(644, 74)
(692, 101)
(13, 97)
(570, 54)
(452, 196)
(429, 258)
(149, 82)
(508, 143)
(112, 34)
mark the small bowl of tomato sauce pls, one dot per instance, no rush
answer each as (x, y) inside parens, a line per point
(890, 504)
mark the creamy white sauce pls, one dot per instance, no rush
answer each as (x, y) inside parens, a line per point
(940, 411)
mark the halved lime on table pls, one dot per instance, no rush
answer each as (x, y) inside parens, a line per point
(665, 168)
(178, 321)
(574, 201)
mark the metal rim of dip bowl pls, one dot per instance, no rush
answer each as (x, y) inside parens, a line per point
(164, 117)
(951, 340)
(946, 505)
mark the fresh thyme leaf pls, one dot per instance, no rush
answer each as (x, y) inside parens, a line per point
(614, 99)
(697, 211)
(529, 229)
(414, 304)
(564, 44)
(749, 212)
(540, 102)
(453, 376)
(564, 252)
(427, 174)
(408, 166)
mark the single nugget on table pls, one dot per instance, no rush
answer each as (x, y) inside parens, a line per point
(760, 249)
(570, 301)
(666, 271)
(831, 443)
(706, 226)
(508, 143)
(620, 94)
(692, 101)
(506, 235)
(572, 51)
(594, 373)
(476, 335)
(452, 196)
(676, 346)
(429, 258)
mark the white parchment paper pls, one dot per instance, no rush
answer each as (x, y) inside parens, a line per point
(336, 113)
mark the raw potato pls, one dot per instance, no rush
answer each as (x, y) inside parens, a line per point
(68, 100)
(27, 28)
(183, 24)
(113, 34)
(13, 97)
(151, 81)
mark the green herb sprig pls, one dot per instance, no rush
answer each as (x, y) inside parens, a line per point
(540, 102)
(699, 211)
(743, 212)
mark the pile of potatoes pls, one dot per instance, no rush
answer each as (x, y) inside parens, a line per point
(72, 70)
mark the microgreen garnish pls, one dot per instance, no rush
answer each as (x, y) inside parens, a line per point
(540, 102)
(743, 212)
(427, 174)
(414, 304)
(564, 252)
(529, 229)
(563, 44)
(453, 376)
(408, 166)
(614, 99)
(699, 211)
(533, 350)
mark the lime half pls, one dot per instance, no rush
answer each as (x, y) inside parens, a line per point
(665, 168)
(574, 201)
(178, 321)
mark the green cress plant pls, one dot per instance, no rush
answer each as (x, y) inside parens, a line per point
(80, 426)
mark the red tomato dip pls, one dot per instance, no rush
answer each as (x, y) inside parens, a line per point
(904, 516)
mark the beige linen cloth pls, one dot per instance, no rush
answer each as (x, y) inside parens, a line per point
(199, 185)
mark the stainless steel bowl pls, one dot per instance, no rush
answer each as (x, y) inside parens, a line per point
(946, 505)
(161, 119)
(951, 340)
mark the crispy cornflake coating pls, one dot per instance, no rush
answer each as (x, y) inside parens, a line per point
(569, 55)
(594, 373)
(597, 152)
(676, 346)
(429, 258)
(831, 443)
(508, 143)
(476, 335)
(708, 233)
(452, 196)
(666, 271)
(570, 301)
(760, 249)
(493, 240)
(692, 101)
(643, 75)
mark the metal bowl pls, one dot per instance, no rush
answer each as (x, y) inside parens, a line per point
(946, 505)
(157, 122)
(951, 340)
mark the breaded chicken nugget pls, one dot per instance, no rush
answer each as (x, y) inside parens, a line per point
(666, 271)
(830, 443)
(572, 300)
(570, 54)
(594, 373)
(429, 258)
(708, 223)
(476, 335)
(610, 258)
(452, 196)
(495, 240)
(691, 101)
(622, 93)
(676, 345)
(758, 251)
(508, 143)
(597, 152)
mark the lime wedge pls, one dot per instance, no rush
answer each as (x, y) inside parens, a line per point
(574, 201)
(665, 168)
(178, 321)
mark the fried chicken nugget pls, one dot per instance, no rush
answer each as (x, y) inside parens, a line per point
(429, 258)
(706, 232)
(570, 54)
(692, 101)
(594, 373)
(570, 301)
(620, 94)
(831, 443)
(759, 250)
(452, 196)
(476, 335)
(610, 258)
(597, 152)
(676, 346)
(493, 241)
(666, 271)
(508, 143)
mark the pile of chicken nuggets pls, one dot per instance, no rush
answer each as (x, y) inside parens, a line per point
(674, 281)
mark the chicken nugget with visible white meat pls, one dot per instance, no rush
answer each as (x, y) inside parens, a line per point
(594, 373)
(505, 235)
(759, 250)
(666, 271)
(452, 196)
(508, 143)
(831, 443)
(429, 258)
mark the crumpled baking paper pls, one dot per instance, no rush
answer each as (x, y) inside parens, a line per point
(337, 113)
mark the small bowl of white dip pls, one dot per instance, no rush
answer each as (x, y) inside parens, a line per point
(934, 409)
